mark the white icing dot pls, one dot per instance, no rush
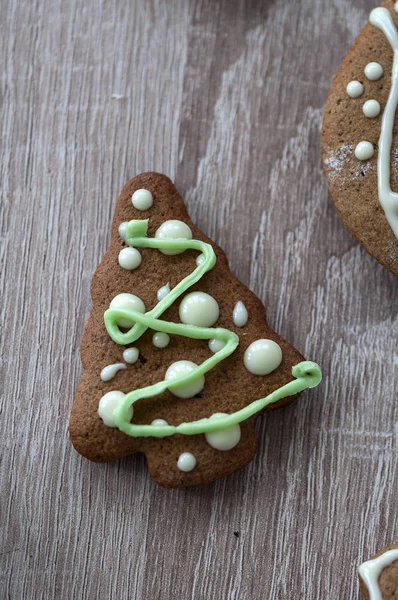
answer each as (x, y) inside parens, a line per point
(142, 199)
(173, 230)
(186, 462)
(130, 258)
(223, 439)
(364, 150)
(110, 371)
(199, 308)
(262, 357)
(122, 230)
(163, 291)
(107, 406)
(200, 259)
(159, 422)
(373, 71)
(130, 355)
(371, 109)
(354, 89)
(160, 339)
(179, 369)
(216, 345)
(127, 302)
(240, 315)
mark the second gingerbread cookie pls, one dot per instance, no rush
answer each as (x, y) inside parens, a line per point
(178, 357)
(359, 138)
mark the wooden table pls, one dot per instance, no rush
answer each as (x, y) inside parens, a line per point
(226, 98)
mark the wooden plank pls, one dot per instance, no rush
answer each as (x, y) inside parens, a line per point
(227, 99)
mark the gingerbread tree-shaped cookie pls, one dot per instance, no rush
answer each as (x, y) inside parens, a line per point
(178, 357)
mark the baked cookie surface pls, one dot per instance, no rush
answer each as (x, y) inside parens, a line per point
(163, 299)
(360, 163)
(378, 576)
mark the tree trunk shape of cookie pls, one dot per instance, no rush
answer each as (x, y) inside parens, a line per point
(189, 400)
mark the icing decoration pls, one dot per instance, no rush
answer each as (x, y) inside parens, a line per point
(179, 370)
(160, 339)
(374, 71)
(127, 302)
(262, 357)
(371, 109)
(108, 405)
(122, 230)
(200, 309)
(130, 355)
(186, 462)
(142, 199)
(159, 422)
(223, 439)
(354, 89)
(306, 374)
(396, 7)
(199, 259)
(382, 19)
(110, 371)
(163, 291)
(240, 315)
(371, 570)
(173, 230)
(364, 150)
(216, 345)
(130, 258)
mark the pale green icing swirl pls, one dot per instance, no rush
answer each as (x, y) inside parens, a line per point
(307, 374)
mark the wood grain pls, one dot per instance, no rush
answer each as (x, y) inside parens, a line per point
(226, 98)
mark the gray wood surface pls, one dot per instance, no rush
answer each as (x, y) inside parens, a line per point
(224, 96)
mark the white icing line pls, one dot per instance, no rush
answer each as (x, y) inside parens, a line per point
(371, 570)
(382, 19)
